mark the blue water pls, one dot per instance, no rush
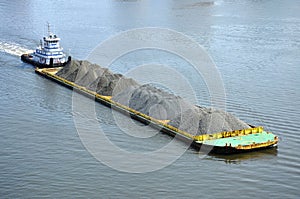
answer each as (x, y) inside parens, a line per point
(255, 45)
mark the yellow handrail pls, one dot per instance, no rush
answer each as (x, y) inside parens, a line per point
(226, 134)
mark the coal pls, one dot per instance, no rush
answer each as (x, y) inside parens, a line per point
(150, 100)
(94, 77)
(210, 120)
(183, 115)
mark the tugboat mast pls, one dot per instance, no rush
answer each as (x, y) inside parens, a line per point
(48, 24)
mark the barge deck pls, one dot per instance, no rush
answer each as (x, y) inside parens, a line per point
(219, 143)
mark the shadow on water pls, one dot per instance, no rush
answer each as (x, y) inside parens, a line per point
(241, 157)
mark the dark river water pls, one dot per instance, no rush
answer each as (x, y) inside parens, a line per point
(255, 45)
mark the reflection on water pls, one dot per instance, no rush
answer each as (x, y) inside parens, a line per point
(198, 4)
(243, 157)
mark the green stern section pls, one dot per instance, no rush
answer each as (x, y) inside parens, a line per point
(244, 140)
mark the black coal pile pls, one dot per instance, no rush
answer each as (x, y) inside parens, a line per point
(151, 101)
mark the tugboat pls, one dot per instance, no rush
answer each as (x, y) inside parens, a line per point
(48, 54)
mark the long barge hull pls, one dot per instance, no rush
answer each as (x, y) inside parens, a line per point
(211, 143)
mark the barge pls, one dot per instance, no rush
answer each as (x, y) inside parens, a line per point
(238, 141)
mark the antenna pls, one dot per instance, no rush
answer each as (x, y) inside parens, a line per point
(49, 32)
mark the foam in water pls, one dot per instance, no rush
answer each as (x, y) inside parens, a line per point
(13, 48)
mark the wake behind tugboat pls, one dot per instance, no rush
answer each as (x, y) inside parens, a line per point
(13, 48)
(49, 54)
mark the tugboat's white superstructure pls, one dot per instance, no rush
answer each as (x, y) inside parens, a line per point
(49, 54)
